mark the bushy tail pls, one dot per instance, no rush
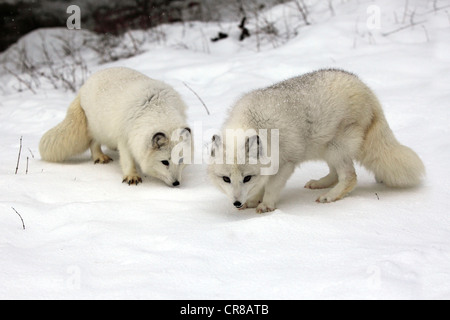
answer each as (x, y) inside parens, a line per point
(393, 164)
(68, 138)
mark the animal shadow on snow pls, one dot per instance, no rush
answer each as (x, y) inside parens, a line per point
(294, 198)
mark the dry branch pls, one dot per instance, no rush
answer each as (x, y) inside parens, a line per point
(18, 157)
(206, 108)
(23, 223)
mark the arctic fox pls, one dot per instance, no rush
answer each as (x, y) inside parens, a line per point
(126, 111)
(324, 115)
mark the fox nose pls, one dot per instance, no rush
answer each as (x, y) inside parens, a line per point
(237, 204)
(176, 183)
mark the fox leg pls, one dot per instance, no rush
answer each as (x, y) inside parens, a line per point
(256, 200)
(97, 154)
(339, 155)
(128, 166)
(347, 181)
(326, 182)
(274, 187)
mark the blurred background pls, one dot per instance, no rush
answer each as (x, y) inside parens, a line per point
(39, 47)
(116, 17)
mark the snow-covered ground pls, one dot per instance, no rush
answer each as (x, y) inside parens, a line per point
(90, 236)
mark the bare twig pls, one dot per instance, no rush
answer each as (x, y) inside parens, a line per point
(18, 158)
(377, 196)
(23, 223)
(31, 152)
(28, 159)
(330, 6)
(303, 9)
(412, 15)
(426, 33)
(206, 108)
(137, 44)
(27, 83)
(437, 9)
(405, 13)
(401, 28)
(62, 65)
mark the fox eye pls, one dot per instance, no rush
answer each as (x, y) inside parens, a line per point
(226, 179)
(247, 179)
(165, 162)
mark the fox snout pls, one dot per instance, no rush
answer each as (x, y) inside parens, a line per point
(238, 204)
(172, 183)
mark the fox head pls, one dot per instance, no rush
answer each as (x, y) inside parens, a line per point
(167, 156)
(241, 182)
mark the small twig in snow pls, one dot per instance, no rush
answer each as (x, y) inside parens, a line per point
(377, 196)
(437, 9)
(18, 158)
(303, 9)
(23, 223)
(206, 108)
(426, 33)
(402, 28)
(26, 83)
(26, 171)
(405, 13)
(330, 6)
(31, 152)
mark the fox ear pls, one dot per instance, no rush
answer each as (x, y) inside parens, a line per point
(186, 133)
(253, 147)
(216, 142)
(187, 130)
(159, 140)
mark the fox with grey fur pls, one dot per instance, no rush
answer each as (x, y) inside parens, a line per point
(125, 111)
(326, 115)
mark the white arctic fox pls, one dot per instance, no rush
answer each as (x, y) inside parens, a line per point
(327, 114)
(126, 111)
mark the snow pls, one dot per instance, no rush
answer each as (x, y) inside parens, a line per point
(90, 236)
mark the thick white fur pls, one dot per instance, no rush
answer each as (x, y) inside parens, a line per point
(122, 109)
(324, 115)
(68, 138)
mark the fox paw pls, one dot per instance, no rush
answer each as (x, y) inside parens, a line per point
(132, 180)
(314, 184)
(319, 184)
(327, 198)
(252, 204)
(263, 208)
(103, 159)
